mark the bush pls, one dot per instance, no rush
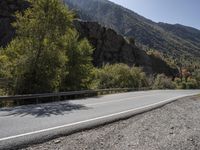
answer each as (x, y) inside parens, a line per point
(196, 76)
(163, 82)
(189, 84)
(178, 83)
(119, 76)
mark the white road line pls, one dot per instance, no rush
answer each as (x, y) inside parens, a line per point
(90, 120)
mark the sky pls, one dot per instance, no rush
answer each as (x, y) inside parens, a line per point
(185, 12)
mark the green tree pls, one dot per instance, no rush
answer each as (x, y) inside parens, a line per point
(39, 58)
(79, 65)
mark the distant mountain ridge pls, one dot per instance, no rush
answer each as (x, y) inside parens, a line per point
(175, 40)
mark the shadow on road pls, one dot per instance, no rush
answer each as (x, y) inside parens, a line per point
(43, 110)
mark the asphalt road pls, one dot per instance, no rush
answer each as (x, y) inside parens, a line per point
(37, 123)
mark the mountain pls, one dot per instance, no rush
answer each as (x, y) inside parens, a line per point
(174, 40)
(110, 47)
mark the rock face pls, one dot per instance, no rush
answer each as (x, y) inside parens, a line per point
(111, 47)
(7, 10)
(174, 40)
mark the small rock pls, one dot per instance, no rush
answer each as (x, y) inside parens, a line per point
(190, 139)
(172, 128)
(57, 141)
(171, 133)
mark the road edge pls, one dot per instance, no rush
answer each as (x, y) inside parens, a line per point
(17, 142)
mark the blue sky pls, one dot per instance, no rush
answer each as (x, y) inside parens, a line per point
(186, 12)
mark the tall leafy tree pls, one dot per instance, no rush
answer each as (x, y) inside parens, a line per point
(79, 65)
(39, 58)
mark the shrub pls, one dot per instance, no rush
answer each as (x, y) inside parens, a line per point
(196, 75)
(119, 76)
(163, 82)
(189, 84)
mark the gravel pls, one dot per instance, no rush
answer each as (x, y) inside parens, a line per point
(174, 126)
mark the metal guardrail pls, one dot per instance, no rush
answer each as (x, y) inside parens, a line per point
(64, 95)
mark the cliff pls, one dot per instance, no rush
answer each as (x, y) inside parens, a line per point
(111, 47)
(7, 11)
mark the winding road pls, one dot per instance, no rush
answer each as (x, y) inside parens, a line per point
(37, 123)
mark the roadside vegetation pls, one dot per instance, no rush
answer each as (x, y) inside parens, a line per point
(47, 55)
(188, 77)
(119, 76)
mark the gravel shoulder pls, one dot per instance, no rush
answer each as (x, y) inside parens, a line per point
(174, 126)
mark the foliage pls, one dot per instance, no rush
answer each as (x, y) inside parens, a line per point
(155, 53)
(79, 65)
(119, 76)
(190, 83)
(163, 82)
(196, 75)
(188, 80)
(39, 59)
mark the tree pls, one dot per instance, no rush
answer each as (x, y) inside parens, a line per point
(79, 65)
(39, 58)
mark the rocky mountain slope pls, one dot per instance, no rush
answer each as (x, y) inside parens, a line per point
(110, 47)
(7, 10)
(175, 40)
